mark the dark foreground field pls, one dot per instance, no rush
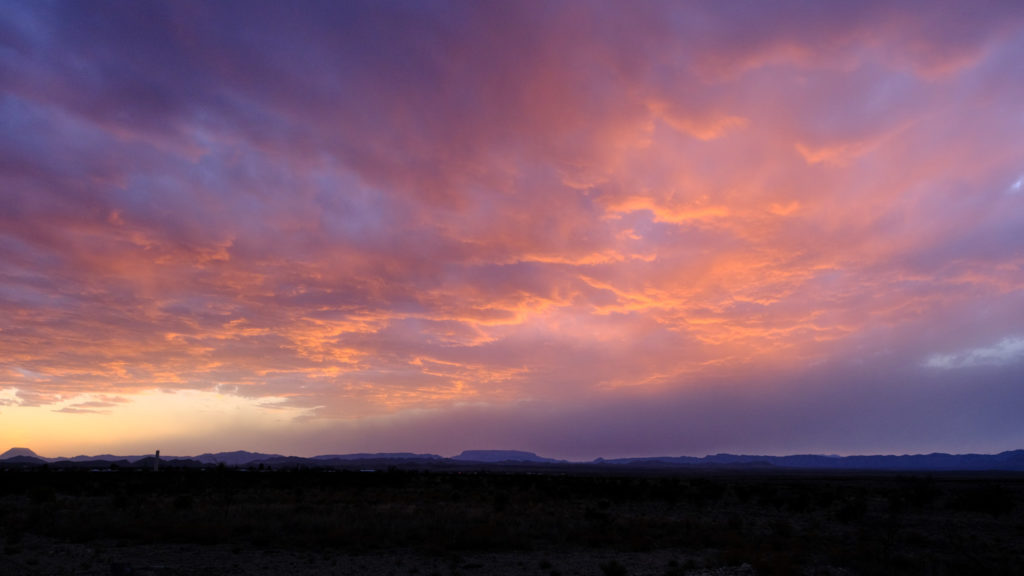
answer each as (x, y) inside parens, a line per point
(424, 523)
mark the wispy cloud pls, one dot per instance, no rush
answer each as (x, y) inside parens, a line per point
(1009, 350)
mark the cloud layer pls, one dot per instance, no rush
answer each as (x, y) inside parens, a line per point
(576, 228)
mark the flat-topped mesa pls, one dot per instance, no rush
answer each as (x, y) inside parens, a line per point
(17, 451)
(495, 456)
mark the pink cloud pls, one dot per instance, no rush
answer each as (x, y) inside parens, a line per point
(371, 210)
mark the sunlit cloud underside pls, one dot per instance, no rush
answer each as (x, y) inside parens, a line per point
(582, 229)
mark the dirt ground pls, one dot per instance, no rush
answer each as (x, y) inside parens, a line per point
(421, 523)
(43, 556)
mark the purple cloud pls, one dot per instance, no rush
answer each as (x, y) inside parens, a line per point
(558, 225)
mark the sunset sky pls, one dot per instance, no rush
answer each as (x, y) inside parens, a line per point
(578, 228)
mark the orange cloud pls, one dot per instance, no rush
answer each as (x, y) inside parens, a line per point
(393, 213)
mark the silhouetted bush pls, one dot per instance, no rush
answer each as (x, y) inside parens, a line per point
(613, 568)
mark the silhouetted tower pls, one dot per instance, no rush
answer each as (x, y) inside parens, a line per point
(156, 462)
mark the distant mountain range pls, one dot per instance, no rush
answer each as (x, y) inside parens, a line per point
(237, 458)
(1012, 460)
(1004, 461)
